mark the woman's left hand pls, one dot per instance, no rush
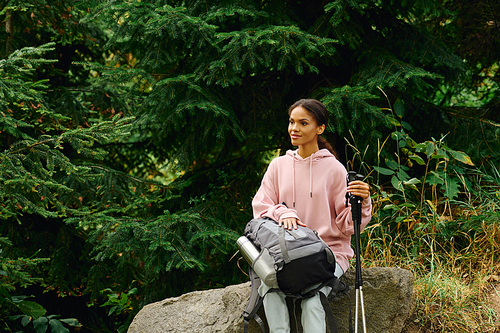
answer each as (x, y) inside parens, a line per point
(359, 188)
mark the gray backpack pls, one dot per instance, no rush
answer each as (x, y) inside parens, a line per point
(294, 260)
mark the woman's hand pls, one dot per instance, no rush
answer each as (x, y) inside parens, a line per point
(290, 223)
(359, 188)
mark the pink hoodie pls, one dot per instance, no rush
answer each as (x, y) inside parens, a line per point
(313, 190)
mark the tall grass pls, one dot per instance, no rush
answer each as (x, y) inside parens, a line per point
(438, 215)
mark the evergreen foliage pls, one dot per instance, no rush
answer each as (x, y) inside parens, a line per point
(207, 79)
(135, 133)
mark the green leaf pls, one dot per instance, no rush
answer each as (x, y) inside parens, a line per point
(26, 320)
(443, 153)
(461, 156)
(429, 148)
(402, 175)
(392, 164)
(409, 205)
(392, 121)
(406, 126)
(397, 135)
(4, 293)
(420, 146)
(400, 218)
(417, 159)
(391, 207)
(53, 316)
(57, 327)
(396, 183)
(434, 179)
(112, 310)
(19, 299)
(123, 299)
(452, 188)
(71, 322)
(41, 324)
(412, 181)
(32, 309)
(438, 157)
(399, 108)
(384, 171)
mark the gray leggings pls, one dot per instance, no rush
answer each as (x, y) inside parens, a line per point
(313, 314)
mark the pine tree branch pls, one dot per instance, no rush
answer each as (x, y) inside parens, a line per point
(482, 120)
(138, 180)
(30, 146)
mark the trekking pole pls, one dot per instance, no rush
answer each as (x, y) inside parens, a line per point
(355, 202)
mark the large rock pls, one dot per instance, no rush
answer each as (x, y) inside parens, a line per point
(388, 300)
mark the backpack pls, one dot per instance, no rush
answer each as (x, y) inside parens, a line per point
(290, 261)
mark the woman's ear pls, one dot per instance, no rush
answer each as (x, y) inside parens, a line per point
(320, 129)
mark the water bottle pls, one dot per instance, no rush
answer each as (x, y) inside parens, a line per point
(247, 249)
(262, 266)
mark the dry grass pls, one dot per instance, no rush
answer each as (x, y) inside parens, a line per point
(444, 226)
(456, 277)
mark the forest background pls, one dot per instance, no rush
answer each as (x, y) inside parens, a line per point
(134, 134)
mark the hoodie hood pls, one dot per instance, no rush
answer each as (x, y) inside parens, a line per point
(315, 157)
(322, 153)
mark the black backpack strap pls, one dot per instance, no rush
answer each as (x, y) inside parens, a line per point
(329, 313)
(337, 286)
(253, 314)
(313, 292)
(281, 241)
(254, 303)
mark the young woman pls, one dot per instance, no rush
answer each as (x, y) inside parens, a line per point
(307, 187)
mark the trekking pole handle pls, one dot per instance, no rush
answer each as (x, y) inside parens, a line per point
(353, 199)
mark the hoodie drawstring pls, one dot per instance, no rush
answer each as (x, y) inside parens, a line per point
(293, 181)
(310, 177)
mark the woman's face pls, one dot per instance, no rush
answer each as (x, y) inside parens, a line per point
(303, 128)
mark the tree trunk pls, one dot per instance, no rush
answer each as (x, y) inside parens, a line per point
(9, 29)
